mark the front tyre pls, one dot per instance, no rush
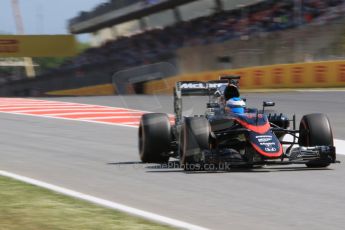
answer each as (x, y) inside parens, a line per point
(315, 130)
(154, 138)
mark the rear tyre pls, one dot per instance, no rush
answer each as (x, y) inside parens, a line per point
(315, 130)
(194, 139)
(154, 138)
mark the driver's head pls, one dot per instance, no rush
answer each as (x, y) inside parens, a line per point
(236, 105)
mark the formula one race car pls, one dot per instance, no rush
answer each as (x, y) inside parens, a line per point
(223, 139)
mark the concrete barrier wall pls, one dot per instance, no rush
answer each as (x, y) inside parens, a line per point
(300, 75)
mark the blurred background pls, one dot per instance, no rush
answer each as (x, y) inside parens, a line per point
(198, 38)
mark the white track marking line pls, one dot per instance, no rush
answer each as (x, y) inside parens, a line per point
(132, 123)
(105, 203)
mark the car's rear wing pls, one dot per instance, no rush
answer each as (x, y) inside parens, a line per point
(198, 88)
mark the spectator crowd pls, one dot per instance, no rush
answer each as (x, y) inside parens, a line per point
(156, 44)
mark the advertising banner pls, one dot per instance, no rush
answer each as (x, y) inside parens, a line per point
(37, 46)
(299, 75)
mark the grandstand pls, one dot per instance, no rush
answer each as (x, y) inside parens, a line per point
(197, 35)
(162, 44)
(147, 14)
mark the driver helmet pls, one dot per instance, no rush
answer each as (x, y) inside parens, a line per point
(236, 105)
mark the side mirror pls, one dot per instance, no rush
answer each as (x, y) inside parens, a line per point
(269, 104)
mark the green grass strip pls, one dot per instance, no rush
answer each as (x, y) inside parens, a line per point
(24, 206)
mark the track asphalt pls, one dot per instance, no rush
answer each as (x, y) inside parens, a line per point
(102, 160)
